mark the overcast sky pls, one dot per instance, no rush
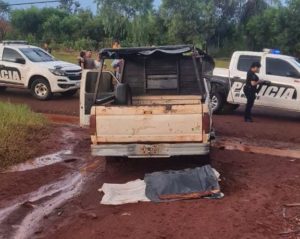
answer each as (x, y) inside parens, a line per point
(84, 3)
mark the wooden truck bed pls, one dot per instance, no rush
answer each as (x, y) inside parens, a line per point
(160, 121)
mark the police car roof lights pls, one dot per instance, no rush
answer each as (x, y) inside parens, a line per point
(14, 42)
(272, 51)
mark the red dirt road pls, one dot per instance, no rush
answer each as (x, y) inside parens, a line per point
(256, 187)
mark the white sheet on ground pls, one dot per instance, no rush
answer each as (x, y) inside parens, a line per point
(117, 194)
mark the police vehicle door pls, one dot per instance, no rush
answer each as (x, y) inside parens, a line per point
(285, 84)
(12, 67)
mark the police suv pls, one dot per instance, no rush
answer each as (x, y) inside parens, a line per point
(30, 67)
(281, 72)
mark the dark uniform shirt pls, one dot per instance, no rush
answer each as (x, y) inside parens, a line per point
(251, 76)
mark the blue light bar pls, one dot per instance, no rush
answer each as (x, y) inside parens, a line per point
(276, 51)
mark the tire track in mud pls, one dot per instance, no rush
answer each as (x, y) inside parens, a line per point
(22, 217)
(264, 147)
(37, 206)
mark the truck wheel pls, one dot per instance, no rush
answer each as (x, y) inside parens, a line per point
(2, 88)
(229, 108)
(69, 93)
(40, 89)
(217, 102)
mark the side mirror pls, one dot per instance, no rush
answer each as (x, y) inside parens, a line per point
(21, 61)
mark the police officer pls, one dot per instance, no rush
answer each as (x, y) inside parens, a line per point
(250, 89)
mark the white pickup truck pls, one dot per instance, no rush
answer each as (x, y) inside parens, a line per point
(280, 71)
(30, 67)
(156, 106)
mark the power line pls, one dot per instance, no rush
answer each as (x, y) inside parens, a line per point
(30, 3)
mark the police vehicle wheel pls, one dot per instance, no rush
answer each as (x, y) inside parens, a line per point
(69, 93)
(217, 102)
(41, 90)
(3, 88)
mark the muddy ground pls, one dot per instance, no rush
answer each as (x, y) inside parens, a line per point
(61, 200)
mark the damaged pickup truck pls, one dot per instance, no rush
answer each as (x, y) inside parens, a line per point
(156, 104)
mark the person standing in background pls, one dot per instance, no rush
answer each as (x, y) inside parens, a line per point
(250, 89)
(89, 63)
(117, 63)
(47, 48)
(81, 59)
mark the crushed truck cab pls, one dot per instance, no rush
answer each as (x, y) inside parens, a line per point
(158, 106)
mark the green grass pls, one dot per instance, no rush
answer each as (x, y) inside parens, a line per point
(20, 133)
(222, 62)
(66, 56)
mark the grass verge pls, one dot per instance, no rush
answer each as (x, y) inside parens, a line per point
(20, 133)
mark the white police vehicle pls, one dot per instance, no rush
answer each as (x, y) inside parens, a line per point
(30, 67)
(281, 72)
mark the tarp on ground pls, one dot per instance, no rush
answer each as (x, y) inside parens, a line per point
(118, 194)
(161, 183)
(186, 181)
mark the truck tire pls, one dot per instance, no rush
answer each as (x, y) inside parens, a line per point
(229, 108)
(2, 88)
(69, 93)
(123, 95)
(217, 102)
(40, 89)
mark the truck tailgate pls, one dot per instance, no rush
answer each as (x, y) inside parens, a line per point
(153, 124)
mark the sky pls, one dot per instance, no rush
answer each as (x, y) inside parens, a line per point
(84, 3)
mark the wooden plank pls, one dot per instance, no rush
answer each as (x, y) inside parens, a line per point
(167, 97)
(167, 102)
(153, 110)
(108, 139)
(149, 128)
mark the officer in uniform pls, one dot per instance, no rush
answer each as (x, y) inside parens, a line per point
(250, 89)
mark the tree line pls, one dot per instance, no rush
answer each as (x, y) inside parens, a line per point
(221, 26)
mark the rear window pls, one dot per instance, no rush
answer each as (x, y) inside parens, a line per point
(245, 62)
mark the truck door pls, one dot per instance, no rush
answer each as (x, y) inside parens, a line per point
(285, 85)
(13, 67)
(104, 96)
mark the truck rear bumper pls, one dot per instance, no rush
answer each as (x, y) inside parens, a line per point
(150, 150)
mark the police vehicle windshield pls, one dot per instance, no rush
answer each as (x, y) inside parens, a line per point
(36, 54)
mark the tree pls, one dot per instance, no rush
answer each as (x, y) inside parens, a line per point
(70, 6)
(117, 15)
(190, 21)
(4, 24)
(4, 9)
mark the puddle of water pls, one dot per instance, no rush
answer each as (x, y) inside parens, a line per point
(45, 200)
(49, 159)
(41, 161)
(69, 188)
